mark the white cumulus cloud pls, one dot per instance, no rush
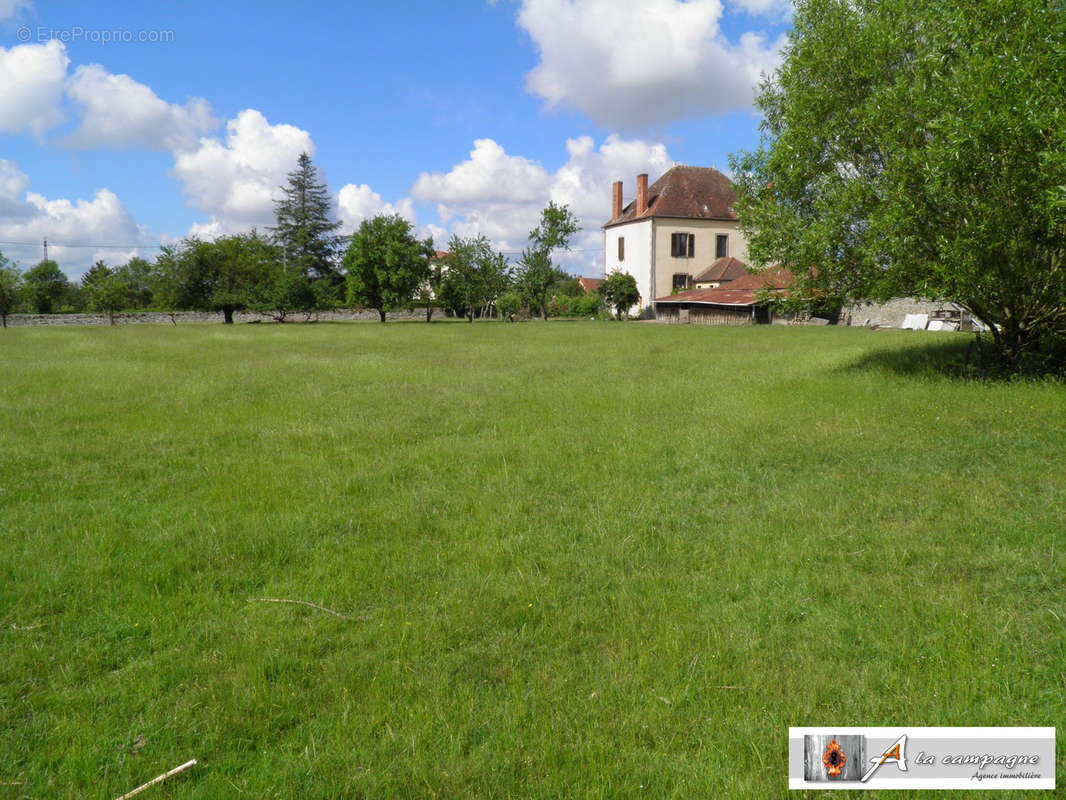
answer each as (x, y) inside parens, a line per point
(102, 227)
(115, 111)
(500, 196)
(9, 9)
(118, 112)
(631, 64)
(489, 175)
(236, 180)
(13, 182)
(584, 181)
(356, 203)
(31, 87)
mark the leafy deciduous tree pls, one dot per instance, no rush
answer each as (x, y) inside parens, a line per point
(429, 288)
(106, 290)
(138, 275)
(245, 266)
(110, 295)
(475, 276)
(385, 264)
(10, 288)
(620, 292)
(290, 292)
(229, 274)
(536, 273)
(913, 148)
(44, 285)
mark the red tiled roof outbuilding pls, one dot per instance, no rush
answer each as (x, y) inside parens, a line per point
(740, 292)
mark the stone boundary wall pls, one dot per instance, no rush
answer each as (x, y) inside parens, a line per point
(890, 314)
(185, 317)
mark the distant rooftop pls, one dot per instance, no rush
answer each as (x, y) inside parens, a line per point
(726, 268)
(590, 284)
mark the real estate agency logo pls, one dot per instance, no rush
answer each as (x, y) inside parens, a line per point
(843, 758)
(922, 758)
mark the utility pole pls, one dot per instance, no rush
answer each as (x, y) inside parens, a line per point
(45, 248)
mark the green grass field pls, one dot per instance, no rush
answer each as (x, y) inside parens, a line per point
(573, 559)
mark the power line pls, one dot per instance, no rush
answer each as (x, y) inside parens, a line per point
(54, 243)
(104, 246)
(558, 251)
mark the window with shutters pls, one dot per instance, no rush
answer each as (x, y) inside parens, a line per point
(683, 245)
(621, 248)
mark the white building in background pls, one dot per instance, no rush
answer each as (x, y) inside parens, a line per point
(673, 231)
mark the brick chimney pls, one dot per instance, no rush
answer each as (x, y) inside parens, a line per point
(642, 193)
(616, 200)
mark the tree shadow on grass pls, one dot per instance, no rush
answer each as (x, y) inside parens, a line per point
(959, 357)
(971, 358)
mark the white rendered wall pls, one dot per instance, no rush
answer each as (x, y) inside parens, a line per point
(637, 261)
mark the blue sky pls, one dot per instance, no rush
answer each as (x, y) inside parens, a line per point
(124, 125)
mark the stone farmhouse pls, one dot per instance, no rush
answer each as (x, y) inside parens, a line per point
(677, 234)
(681, 240)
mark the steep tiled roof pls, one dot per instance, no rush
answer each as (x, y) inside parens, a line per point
(740, 292)
(724, 269)
(688, 193)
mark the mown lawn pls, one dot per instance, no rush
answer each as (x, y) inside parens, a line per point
(573, 559)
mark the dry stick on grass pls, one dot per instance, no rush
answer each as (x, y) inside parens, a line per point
(158, 779)
(296, 602)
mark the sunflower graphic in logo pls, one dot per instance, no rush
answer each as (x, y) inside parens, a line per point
(833, 758)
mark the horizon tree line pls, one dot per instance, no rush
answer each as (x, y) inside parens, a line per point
(302, 265)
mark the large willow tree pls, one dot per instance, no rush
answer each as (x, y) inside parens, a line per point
(919, 149)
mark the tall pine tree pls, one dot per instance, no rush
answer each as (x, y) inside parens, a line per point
(306, 229)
